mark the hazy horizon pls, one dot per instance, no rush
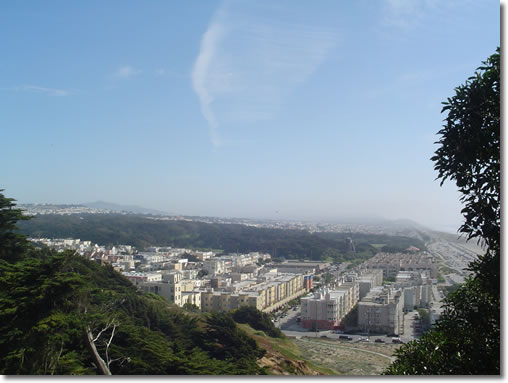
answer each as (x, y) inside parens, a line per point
(264, 110)
(349, 220)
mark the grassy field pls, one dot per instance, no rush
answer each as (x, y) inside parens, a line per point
(347, 358)
(330, 356)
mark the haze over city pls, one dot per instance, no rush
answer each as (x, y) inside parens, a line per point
(280, 110)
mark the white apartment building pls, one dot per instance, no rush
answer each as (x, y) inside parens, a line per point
(324, 309)
(352, 294)
(380, 311)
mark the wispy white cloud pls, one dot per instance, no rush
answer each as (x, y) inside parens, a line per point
(43, 90)
(407, 14)
(250, 60)
(200, 75)
(126, 71)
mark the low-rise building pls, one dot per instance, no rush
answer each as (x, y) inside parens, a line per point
(393, 263)
(137, 278)
(224, 300)
(302, 267)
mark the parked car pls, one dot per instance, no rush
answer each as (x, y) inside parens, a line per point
(345, 337)
(397, 340)
(379, 340)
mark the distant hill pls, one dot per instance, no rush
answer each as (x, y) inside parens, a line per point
(102, 205)
(141, 232)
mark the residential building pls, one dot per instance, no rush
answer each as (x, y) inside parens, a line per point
(324, 309)
(380, 311)
(393, 263)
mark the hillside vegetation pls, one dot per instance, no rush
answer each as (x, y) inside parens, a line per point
(62, 314)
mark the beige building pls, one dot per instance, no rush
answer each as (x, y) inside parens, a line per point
(266, 295)
(325, 309)
(174, 288)
(380, 311)
(351, 294)
(191, 297)
(393, 263)
(225, 300)
(369, 280)
(214, 266)
(293, 266)
(137, 278)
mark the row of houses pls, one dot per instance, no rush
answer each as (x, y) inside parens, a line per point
(393, 263)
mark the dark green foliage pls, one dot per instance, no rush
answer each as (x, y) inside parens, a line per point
(47, 303)
(227, 342)
(466, 340)
(139, 231)
(469, 151)
(257, 320)
(13, 244)
(425, 318)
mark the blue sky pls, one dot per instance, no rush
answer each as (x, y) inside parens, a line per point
(269, 109)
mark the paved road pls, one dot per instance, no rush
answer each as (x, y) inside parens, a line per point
(454, 255)
(301, 332)
(410, 321)
(291, 327)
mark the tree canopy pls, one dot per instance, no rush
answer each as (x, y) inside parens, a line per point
(466, 339)
(13, 244)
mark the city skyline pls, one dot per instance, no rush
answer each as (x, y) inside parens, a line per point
(273, 110)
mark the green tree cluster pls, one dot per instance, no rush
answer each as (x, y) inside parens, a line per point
(257, 320)
(466, 339)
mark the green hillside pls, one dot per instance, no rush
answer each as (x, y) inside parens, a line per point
(141, 232)
(52, 307)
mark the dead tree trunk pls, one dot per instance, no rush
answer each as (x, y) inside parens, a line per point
(101, 365)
